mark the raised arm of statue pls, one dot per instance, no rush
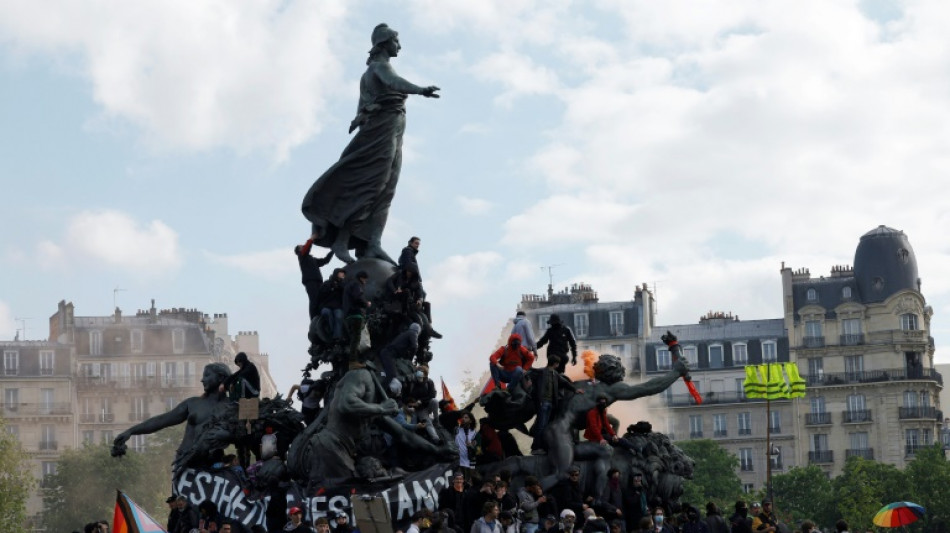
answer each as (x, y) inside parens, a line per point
(625, 391)
(157, 423)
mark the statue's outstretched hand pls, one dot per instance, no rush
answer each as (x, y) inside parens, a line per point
(389, 407)
(429, 92)
(118, 445)
(668, 338)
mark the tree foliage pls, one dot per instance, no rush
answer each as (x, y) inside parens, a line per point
(714, 474)
(83, 488)
(929, 475)
(864, 487)
(804, 493)
(16, 482)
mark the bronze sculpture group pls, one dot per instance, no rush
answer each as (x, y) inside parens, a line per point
(352, 427)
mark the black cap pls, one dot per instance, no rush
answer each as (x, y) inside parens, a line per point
(171, 499)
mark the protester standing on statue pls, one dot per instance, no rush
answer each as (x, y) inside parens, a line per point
(407, 259)
(561, 339)
(547, 394)
(349, 204)
(354, 309)
(310, 274)
(465, 440)
(522, 326)
(599, 429)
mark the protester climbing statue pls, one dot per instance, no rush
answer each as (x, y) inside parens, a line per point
(349, 204)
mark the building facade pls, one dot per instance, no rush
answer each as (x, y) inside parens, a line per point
(96, 376)
(860, 338)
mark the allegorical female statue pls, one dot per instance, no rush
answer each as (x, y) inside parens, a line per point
(349, 204)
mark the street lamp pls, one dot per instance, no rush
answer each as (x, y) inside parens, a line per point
(774, 454)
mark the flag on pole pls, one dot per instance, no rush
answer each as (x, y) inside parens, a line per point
(448, 397)
(130, 518)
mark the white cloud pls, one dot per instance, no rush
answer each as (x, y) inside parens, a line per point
(464, 276)
(195, 75)
(474, 206)
(117, 240)
(269, 264)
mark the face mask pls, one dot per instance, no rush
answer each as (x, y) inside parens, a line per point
(658, 519)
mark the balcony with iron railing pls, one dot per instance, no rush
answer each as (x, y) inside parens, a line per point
(828, 379)
(96, 418)
(866, 453)
(137, 382)
(851, 339)
(746, 467)
(813, 342)
(821, 457)
(710, 398)
(817, 419)
(919, 413)
(696, 434)
(913, 448)
(14, 410)
(136, 416)
(745, 431)
(720, 433)
(856, 416)
(48, 445)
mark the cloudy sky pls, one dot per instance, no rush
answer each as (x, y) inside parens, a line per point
(163, 148)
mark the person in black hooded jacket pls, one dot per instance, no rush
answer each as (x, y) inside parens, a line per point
(247, 376)
(310, 274)
(330, 300)
(561, 339)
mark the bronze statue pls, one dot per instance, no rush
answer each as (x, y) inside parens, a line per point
(196, 411)
(349, 204)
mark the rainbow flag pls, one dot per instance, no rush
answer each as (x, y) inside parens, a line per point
(130, 518)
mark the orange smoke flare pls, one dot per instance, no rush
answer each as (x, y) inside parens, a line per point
(590, 357)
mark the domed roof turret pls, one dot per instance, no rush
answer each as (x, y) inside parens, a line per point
(884, 263)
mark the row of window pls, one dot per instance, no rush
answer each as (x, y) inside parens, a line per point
(48, 442)
(858, 402)
(859, 440)
(171, 370)
(852, 326)
(743, 424)
(740, 354)
(582, 323)
(92, 407)
(137, 338)
(11, 362)
(812, 295)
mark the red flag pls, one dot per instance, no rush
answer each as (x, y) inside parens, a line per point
(447, 396)
(490, 386)
(130, 518)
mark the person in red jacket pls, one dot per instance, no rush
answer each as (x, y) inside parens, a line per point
(510, 362)
(598, 427)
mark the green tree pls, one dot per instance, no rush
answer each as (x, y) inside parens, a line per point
(929, 475)
(804, 493)
(714, 474)
(866, 486)
(16, 482)
(83, 488)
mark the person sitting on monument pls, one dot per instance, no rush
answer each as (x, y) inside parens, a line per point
(330, 299)
(195, 411)
(247, 379)
(598, 427)
(403, 346)
(355, 305)
(419, 394)
(487, 443)
(509, 363)
(407, 297)
(310, 393)
(310, 274)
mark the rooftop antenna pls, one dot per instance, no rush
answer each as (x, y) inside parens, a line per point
(550, 269)
(22, 320)
(115, 293)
